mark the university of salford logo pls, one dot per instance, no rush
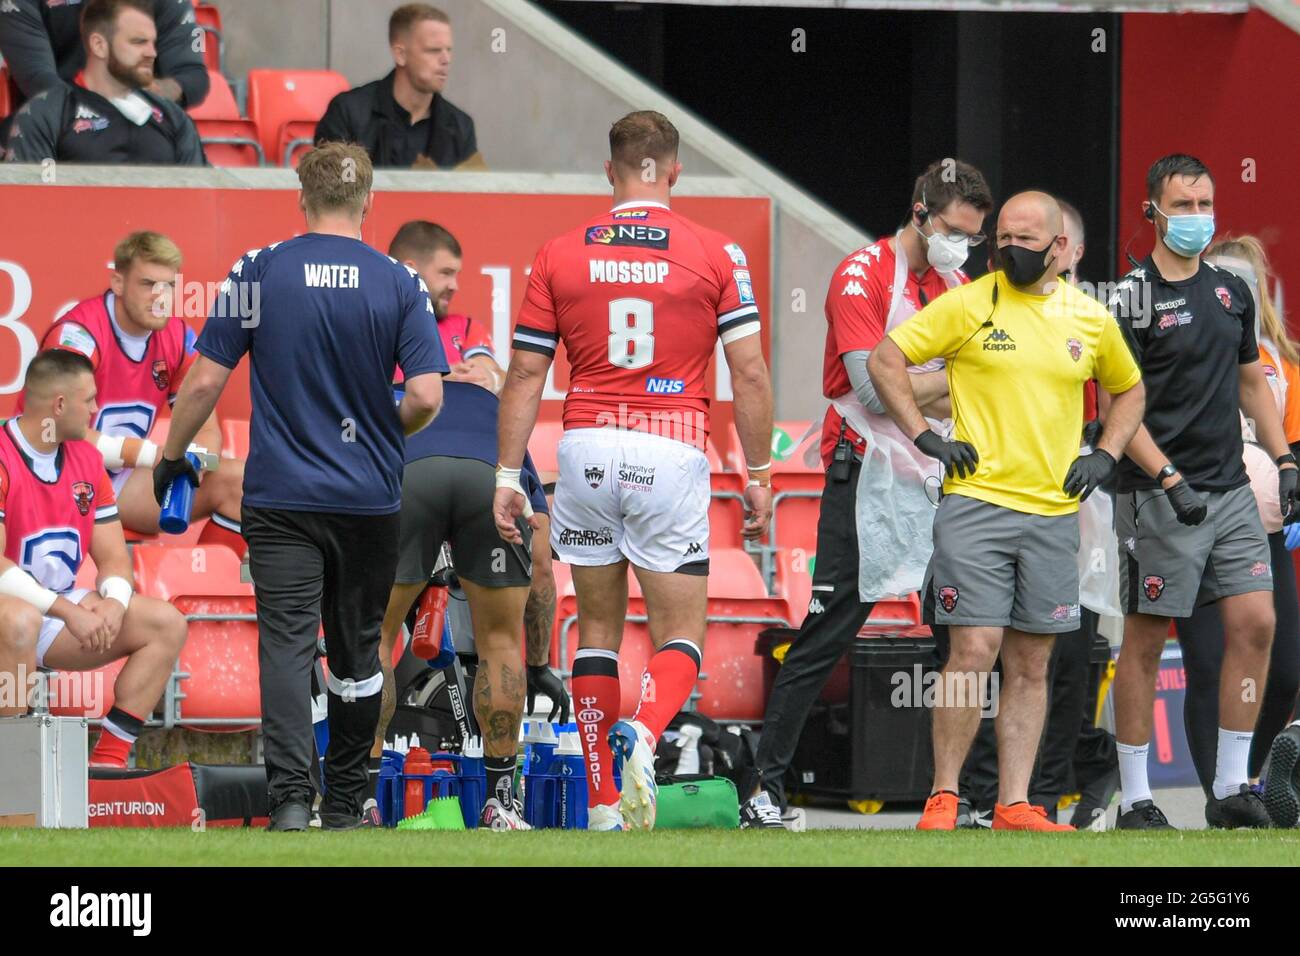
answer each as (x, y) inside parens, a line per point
(1075, 347)
(948, 598)
(161, 377)
(1154, 585)
(83, 493)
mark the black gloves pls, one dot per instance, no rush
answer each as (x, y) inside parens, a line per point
(1087, 472)
(1091, 432)
(1286, 493)
(957, 457)
(543, 680)
(165, 470)
(1188, 505)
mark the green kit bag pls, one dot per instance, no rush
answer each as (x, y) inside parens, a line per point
(689, 803)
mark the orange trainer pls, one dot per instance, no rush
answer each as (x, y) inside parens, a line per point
(940, 812)
(1025, 816)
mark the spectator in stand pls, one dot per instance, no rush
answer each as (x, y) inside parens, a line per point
(110, 112)
(403, 119)
(41, 44)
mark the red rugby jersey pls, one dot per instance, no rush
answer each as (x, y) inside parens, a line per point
(640, 297)
(857, 318)
(131, 394)
(49, 525)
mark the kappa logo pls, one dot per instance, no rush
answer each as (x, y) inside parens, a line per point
(854, 287)
(815, 606)
(1075, 347)
(594, 474)
(695, 548)
(999, 340)
(948, 598)
(1154, 586)
(1258, 569)
(83, 493)
(161, 376)
(1224, 296)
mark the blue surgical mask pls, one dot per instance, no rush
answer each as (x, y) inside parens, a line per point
(1188, 235)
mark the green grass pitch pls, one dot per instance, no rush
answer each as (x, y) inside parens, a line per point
(218, 847)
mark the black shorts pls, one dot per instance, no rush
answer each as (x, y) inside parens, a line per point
(450, 500)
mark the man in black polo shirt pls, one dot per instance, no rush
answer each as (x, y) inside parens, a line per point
(108, 114)
(1188, 526)
(403, 120)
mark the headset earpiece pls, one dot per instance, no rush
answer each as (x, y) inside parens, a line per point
(1149, 213)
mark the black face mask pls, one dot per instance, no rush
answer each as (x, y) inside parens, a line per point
(1023, 267)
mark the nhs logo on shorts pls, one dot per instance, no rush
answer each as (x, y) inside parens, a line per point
(664, 386)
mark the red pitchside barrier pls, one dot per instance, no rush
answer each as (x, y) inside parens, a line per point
(56, 243)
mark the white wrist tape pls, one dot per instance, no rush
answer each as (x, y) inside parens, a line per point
(117, 589)
(110, 446)
(510, 478)
(148, 455)
(18, 583)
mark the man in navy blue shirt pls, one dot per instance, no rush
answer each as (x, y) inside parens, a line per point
(325, 319)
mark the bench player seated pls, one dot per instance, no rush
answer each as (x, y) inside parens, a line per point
(57, 504)
(140, 352)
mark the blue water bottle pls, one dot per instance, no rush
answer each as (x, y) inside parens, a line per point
(179, 500)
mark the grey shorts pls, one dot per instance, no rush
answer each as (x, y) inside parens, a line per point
(994, 567)
(1170, 569)
(450, 500)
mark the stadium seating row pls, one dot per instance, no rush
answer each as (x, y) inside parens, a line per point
(283, 108)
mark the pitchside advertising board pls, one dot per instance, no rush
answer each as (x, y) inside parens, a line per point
(56, 245)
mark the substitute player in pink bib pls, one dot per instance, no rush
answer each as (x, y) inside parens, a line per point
(640, 297)
(141, 352)
(57, 506)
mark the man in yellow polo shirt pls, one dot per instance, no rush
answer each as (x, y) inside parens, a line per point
(1019, 345)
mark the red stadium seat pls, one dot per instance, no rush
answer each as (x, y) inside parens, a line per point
(220, 654)
(280, 97)
(219, 104)
(5, 98)
(793, 583)
(208, 19)
(230, 143)
(228, 139)
(295, 139)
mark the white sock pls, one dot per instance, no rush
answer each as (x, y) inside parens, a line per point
(1132, 775)
(1230, 768)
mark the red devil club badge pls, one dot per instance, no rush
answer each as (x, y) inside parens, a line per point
(1154, 585)
(1075, 347)
(161, 377)
(83, 493)
(948, 598)
(1224, 296)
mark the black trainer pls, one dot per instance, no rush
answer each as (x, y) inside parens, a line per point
(967, 819)
(1241, 810)
(760, 813)
(289, 817)
(1090, 811)
(1144, 815)
(1282, 788)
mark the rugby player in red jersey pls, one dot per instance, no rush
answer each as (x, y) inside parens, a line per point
(640, 297)
(140, 352)
(57, 505)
